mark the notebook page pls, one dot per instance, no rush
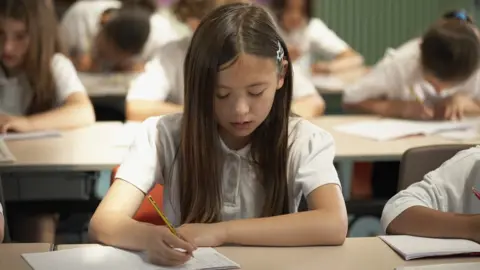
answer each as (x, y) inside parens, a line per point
(447, 266)
(103, 257)
(381, 130)
(5, 155)
(30, 135)
(412, 247)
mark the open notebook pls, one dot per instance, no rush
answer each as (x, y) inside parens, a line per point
(5, 155)
(30, 135)
(99, 257)
(445, 266)
(412, 247)
(390, 129)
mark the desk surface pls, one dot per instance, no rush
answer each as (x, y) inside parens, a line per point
(358, 148)
(90, 148)
(11, 255)
(357, 253)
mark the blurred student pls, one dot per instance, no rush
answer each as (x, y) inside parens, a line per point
(39, 89)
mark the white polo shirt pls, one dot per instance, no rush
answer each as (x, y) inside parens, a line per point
(398, 74)
(16, 92)
(446, 189)
(165, 82)
(151, 159)
(80, 24)
(315, 39)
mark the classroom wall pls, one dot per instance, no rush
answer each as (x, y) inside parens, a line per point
(370, 26)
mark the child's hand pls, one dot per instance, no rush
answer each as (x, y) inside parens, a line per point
(14, 123)
(294, 52)
(204, 235)
(161, 247)
(452, 108)
(417, 111)
(321, 68)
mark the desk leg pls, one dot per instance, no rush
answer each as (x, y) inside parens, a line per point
(2, 201)
(345, 168)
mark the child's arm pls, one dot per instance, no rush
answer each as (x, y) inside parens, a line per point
(310, 106)
(436, 206)
(347, 60)
(393, 108)
(139, 110)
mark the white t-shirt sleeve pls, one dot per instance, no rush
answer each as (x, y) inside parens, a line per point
(153, 84)
(442, 189)
(65, 77)
(302, 85)
(323, 40)
(1, 209)
(141, 166)
(315, 165)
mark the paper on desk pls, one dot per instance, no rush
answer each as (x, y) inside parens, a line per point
(5, 154)
(30, 135)
(389, 129)
(127, 134)
(104, 257)
(328, 82)
(446, 266)
(460, 135)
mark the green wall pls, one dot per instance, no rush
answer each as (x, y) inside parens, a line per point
(371, 26)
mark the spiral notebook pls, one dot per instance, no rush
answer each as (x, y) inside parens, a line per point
(99, 257)
(412, 247)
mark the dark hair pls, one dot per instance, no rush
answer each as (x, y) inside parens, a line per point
(222, 36)
(198, 9)
(128, 29)
(278, 7)
(148, 5)
(42, 28)
(450, 50)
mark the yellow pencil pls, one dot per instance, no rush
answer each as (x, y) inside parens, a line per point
(169, 225)
(415, 95)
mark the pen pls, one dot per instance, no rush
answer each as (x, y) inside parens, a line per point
(476, 192)
(169, 225)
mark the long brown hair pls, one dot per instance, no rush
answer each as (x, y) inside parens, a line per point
(222, 35)
(41, 24)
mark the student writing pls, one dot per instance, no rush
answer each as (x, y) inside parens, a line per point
(308, 37)
(234, 164)
(163, 92)
(442, 205)
(82, 22)
(39, 87)
(436, 76)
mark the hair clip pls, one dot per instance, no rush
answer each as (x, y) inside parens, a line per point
(280, 52)
(461, 15)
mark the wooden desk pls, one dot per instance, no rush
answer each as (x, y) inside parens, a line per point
(85, 149)
(357, 253)
(351, 147)
(11, 255)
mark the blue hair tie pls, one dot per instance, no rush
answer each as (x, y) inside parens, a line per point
(461, 15)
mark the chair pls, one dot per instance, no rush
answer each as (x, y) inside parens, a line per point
(417, 162)
(146, 213)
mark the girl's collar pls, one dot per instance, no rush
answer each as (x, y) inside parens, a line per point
(243, 152)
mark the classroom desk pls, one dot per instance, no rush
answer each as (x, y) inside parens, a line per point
(356, 253)
(351, 148)
(84, 149)
(11, 255)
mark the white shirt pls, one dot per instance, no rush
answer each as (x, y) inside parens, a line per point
(165, 82)
(446, 189)
(151, 160)
(315, 39)
(398, 74)
(1, 209)
(16, 92)
(80, 25)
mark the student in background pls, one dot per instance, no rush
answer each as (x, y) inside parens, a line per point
(39, 87)
(260, 161)
(81, 23)
(442, 205)
(436, 76)
(165, 93)
(308, 37)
